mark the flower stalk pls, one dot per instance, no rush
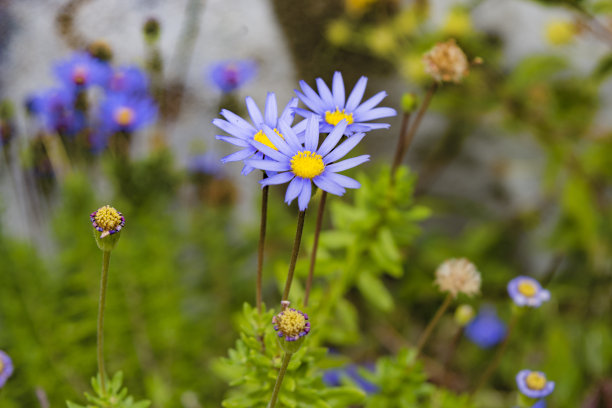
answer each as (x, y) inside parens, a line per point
(279, 380)
(434, 321)
(101, 305)
(294, 253)
(315, 246)
(260, 245)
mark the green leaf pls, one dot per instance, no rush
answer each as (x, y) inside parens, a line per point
(374, 291)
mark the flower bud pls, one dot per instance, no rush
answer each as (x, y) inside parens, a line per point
(100, 50)
(107, 223)
(291, 326)
(409, 102)
(151, 30)
(464, 314)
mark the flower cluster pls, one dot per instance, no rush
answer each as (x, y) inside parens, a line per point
(446, 62)
(293, 154)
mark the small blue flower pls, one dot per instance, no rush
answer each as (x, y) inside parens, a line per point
(231, 74)
(243, 132)
(332, 107)
(129, 80)
(333, 378)
(304, 164)
(54, 109)
(533, 384)
(526, 291)
(540, 404)
(81, 71)
(6, 368)
(207, 163)
(486, 329)
(124, 113)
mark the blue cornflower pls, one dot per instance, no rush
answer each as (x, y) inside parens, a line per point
(6, 368)
(82, 70)
(486, 329)
(243, 133)
(332, 107)
(128, 80)
(302, 164)
(526, 291)
(533, 384)
(54, 108)
(232, 74)
(124, 113)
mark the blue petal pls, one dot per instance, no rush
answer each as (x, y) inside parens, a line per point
(271, 110)
(290, 137)
(239, 155)
(254, 112)
(341, 150)
(232, 129)
(348, 163)
(268, 151)
(356, 94)
(304, 197)
(237, 120)
(280, 178)
(300, 127)
(310, 98)
(375, 114)
(342, 180)
(327, 184)
(325, 93)
(268, 165)
(294, 189)
(370, 103)
(312, 133)
(289, 111)
(338, 90)
(332, 138)
(233, 140)
(277, 141)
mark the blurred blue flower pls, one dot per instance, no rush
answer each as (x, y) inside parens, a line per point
(533, 384)
(82, 70)
(206, 163)
(129, 80)
(6, 368)
(54, 109)
(332, 107)
(540, 404)
(300, 165)
(333, 377)
(486, 329)
(526, 291)
(231, 74)
(243, 132)
(125, 113)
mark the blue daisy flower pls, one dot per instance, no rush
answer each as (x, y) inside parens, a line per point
(123, 113)
(6, 368)
(82, 70)
(54, 109)
(243, 133)
(232, 74)
(332, 107)
(486, 329)
(304, 164)
(128, 80)
(533, 384)
(526, 291)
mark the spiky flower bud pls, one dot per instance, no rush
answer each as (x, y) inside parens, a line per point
(107, 223)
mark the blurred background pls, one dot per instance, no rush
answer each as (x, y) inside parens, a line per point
(511, 168)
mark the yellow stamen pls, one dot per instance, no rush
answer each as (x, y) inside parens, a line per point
(527, 288)
(107, 218)
(124, 116)
(307, 164)
(262, 138)
(333, 118)
(535, 381)
(291, 323)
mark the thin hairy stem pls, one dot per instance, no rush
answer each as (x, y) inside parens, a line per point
(315, 246)
(260, 246)
(294, 253)
(101, 304)
(279, 379)
(433, 323)
(400, 150)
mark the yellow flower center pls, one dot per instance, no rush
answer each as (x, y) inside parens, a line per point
(333, 118)
(262, 138)
(307, 164)
(124, 116)
(107, 218)
(535, 381)
(291, 323)
(527, 288)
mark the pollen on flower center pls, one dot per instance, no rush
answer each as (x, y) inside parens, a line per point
(527, 288)
(307, 164)
(263, 139)
(535, 381)
(333, 118)
(108, 218)
(291, 323)
(124, 116)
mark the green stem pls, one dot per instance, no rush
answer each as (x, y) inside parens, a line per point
(279, 379)
(497, 359)
(401, 146)
(433, 323)
(315, 246)
(101, 303)
(260, 247)
(294, 253)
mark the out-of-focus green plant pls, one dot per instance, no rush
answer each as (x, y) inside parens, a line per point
(115, 395)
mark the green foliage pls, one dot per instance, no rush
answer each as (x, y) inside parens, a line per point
(113, 396)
